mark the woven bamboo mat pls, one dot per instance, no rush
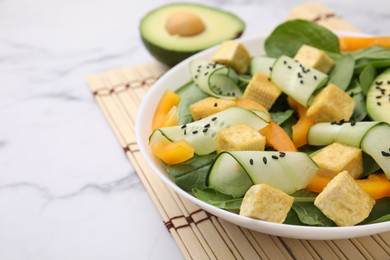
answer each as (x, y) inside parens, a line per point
(198, 234)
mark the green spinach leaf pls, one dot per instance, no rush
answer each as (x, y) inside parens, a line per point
(356, 92)
(288, 37)
(373, 53)
(342, 72)
(379, 213)
(218, 199)
(378, 64)
(280, 117)
(366, 77)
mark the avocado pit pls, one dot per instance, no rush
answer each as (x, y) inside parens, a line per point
(184, 23)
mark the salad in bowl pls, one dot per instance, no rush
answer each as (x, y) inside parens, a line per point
(286, 134)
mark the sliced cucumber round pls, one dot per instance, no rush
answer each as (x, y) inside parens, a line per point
(296, 80)
(201, 134)
(233, 172)
(376, 143)
(261, 64)
(215, 79)
(349, 133)
(378, 98)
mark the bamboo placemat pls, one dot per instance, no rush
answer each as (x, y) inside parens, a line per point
(198, 234)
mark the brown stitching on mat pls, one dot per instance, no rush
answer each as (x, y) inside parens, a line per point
(324, 17)
(102, 92)
(131, 147)
(169, 224)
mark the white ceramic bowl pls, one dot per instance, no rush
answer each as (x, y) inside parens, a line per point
(175, 78)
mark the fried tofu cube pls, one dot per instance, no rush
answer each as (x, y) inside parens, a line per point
(344, 201)
(240, 138)
(234, 55)
(262, 90)
(264, 202)
(336, 158)
(209, 106)
(314, 58)
(331, 104)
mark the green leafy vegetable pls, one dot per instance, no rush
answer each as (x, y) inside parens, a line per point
(218, 199)
(379, 213)
(342, 72)
(369, 165)
(356, 92)
(189, 94)
(288, 37)
(280, 117)
(361, 64)
(373, 53)
(366, 77)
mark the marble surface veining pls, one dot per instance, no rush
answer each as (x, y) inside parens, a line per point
(67, 191)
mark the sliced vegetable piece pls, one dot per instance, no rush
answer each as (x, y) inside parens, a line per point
(173, 152)
(215, 79)
(164, 110)
(376, 143)
(296, 80)
(376, 185)
(201, 134)
(235, 172)
(348, 133)
(378, 99)
(261, 64)
(356, 43)
(277, 138)
(301, 128)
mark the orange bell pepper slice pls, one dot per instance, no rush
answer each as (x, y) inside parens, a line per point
(301, 127)
(277, 138)
(166, 113)
(356, 43)
(376, 185)
(173, 152)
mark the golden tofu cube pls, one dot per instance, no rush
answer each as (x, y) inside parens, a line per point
(264, 202)
(234, 55)
(344, 201)
(336, 158)
(314, 58)
(262, 90)
(209, 106)
(240, 138)
(331, 104)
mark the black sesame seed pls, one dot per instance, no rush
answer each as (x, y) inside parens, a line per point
(301, 81)
(265, 160)
(206, 73)
(206, 125)
(269, 79)
(352, 94)
(379, 103)
(315, 77)
(185, 132)
(289, 67)
(183, 126)
(388, 82)
(199, 66)
(233, 94)
(333, 123)
(214, 118)
(353, 123)
(284, 62)
(196, 76)
(215, 104)
(282, 154)
(194, 132)
(379, 82)
(274, 157)
(377, 87)
(205, 130)
(270, 68)
(228, 93)
(251, 161)
(385, 154)
(299, 75)
(378, 97)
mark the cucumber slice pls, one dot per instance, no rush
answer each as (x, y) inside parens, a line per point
(378, 98)
(376, 143)
(215, 79)
(348, 133)
(261, 64)
(201, 134)
(296, 80)
(233, 172)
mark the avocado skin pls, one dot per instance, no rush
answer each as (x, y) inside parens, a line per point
(173, 57)
(170, 57)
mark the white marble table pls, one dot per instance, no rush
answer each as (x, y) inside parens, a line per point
(67, 191)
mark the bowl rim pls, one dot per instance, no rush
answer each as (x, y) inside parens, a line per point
(284, 230)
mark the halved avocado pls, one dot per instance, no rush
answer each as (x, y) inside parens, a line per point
(176, 31)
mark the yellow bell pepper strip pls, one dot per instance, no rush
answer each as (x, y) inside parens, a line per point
(376, 185)
(277, 138)
(356, 43)
(164, 115)
(301, 127)
(173, 152)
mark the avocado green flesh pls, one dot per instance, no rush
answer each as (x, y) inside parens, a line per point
(171, 49)
(378, 99)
